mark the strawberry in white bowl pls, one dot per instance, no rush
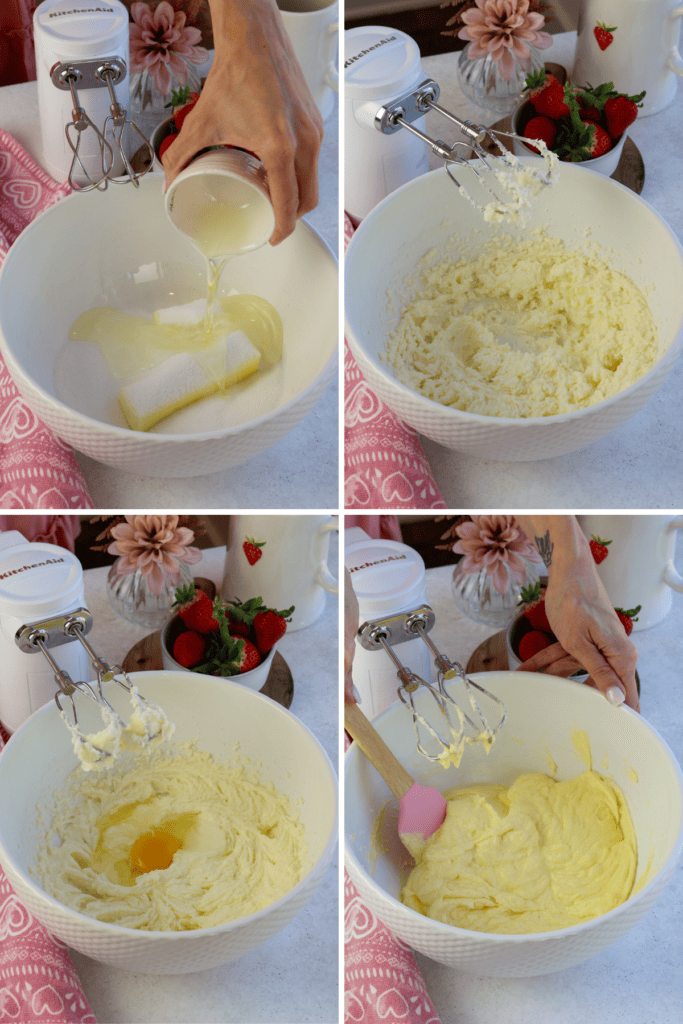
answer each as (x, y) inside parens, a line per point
(233, 639)
(581, 124)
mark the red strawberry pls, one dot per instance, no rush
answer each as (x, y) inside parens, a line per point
(600, 143)
(269, 627)
(236, 627)
(621, 111)
(627, 618)
(540, 128)
(166, 143)
(599, 549)
(546, 94)
(249, 657)
(590, 113)
(188, 649)
(195, 609)
(579, 139)
(603, 34)
(181, 112)
(534, 602)
(533, 642)
(252, 549)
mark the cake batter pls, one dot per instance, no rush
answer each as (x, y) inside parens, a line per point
(536, 857)
(171, 842)
(522, 327)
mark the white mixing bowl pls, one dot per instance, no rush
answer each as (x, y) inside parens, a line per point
(119, 248)
(39, 757)
(543, 711)
(429, 210)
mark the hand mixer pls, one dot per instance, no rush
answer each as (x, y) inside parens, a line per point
(385, 634)
(82, 50)
(387, 97)
(148, 725)
(402, 112)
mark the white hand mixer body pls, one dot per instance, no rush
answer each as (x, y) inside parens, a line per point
(82, 53)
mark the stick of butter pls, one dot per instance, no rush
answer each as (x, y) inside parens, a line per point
(183, 379)
(186, 315)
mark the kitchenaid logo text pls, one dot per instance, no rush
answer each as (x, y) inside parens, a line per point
(357, 56)
(368, 565)
(81, 10)
(25, 568)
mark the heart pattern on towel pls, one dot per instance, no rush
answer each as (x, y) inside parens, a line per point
(382, 982)
(397, 487)
(24, 194)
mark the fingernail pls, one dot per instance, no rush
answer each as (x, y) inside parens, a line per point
(356, 695)
(615, 695)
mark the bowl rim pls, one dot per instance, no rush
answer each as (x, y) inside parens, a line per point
(126, 433)
(526, 422)
(219, 929)
(502, 938)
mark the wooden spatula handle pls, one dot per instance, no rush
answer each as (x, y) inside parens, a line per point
(377, 752)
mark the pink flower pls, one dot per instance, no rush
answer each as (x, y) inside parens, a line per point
(153, 544)
(494, 543)
(504, 28)
(161, 43)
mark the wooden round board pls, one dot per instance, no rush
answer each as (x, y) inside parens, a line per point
(490, 656)
(145, 655)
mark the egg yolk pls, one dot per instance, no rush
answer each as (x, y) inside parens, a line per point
(153, 852)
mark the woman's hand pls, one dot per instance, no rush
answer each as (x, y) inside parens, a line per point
(351, 617)
(581, 616)
(255, 97)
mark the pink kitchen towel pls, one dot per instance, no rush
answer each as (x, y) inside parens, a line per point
(384, 464)
(382, 982)
(37, 469)
(37, 979)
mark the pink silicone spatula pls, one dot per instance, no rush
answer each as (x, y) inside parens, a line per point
(422, 809)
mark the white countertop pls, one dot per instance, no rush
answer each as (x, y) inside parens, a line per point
(639, 979)
(294, 976)
(647, 448)
(301, 470)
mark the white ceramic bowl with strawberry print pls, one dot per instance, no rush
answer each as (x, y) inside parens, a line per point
(543, 713)
(221, 717)
(429, 212)
(605, 164)
(253, 680)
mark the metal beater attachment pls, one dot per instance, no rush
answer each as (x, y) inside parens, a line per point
(483, 141)
(384, 634)
(97, 74)
(148, 724)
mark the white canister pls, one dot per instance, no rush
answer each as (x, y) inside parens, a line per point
(633, 43)
(380, 65)
(313, 28)
(387, 577)
(68, 31)
(638, 568)
(36, 581)
(283, 560)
